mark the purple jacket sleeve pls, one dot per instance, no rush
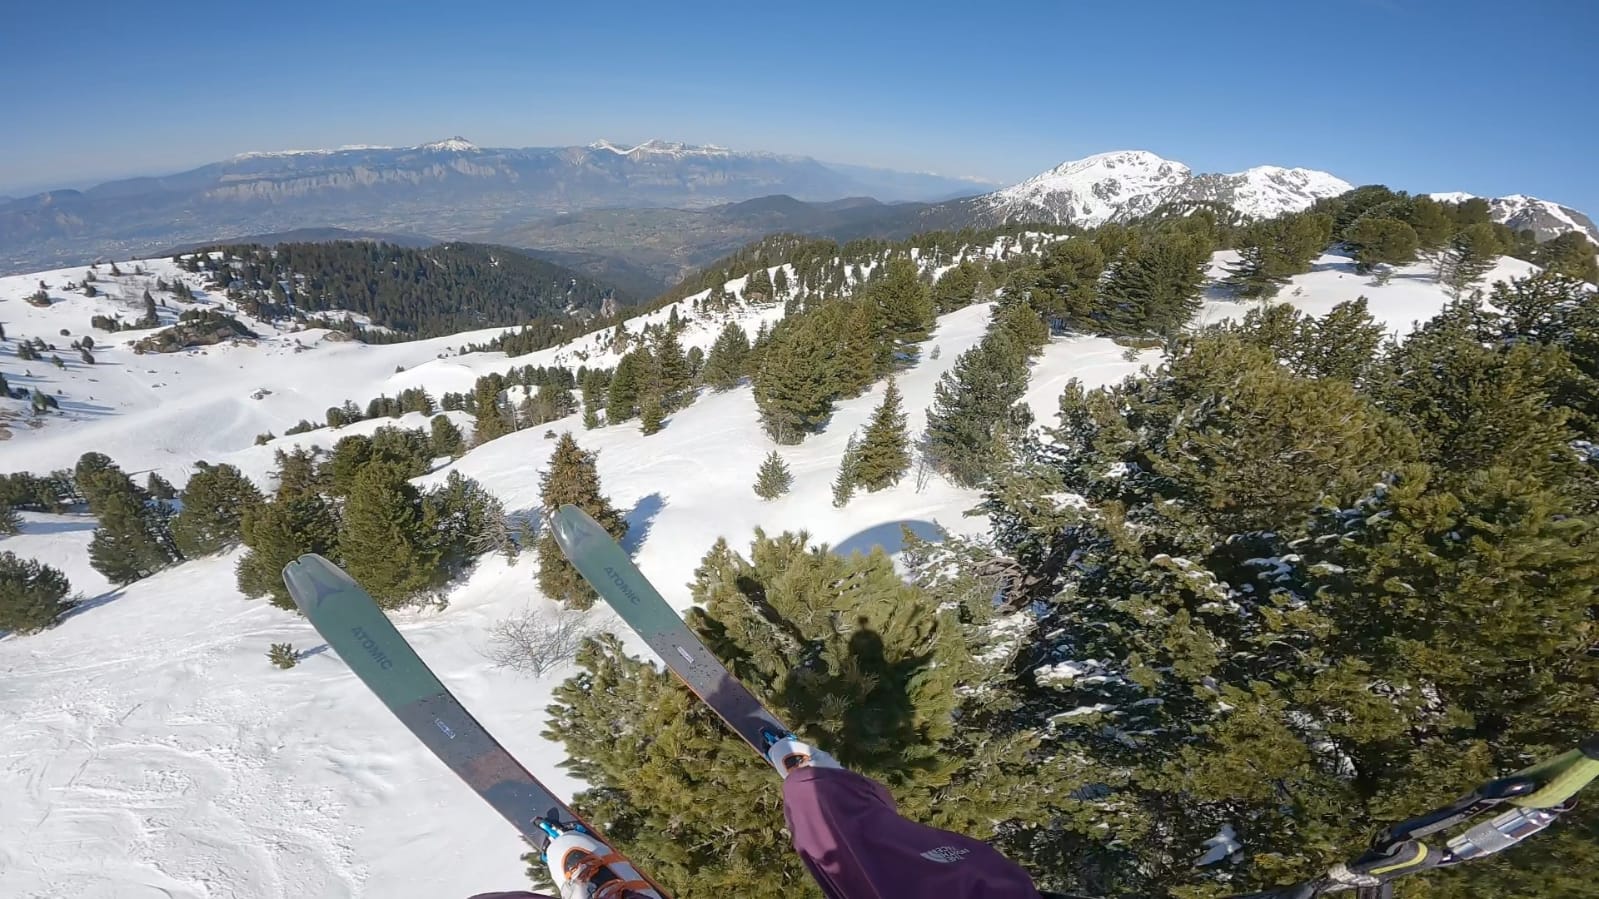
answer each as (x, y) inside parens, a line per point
(857, 847)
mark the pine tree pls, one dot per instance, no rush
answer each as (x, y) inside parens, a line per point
(725, 364)
(628, 383)
(862, 348)
(126, 545)
(1154, 287)
(884, 452)
(773, 479)
(651, 413)
(848, 474)
(283, 655)
(215, 501)
(878, 672)
(10, 521)
(572, 478)
(1378, 240)
(277, 533)
(1471, 255)
(1571, 254)
(493, 419)
(466, 521)
(903, 300)
(758, 287)
(384, 539)
(674, 378)
(971, 403)
(32, 595)
(956, 288)
(159, 487)
(1431, 222)
(795, 384)
(446, 437)
(1273, 251)
(1342, 344)
(591, 418)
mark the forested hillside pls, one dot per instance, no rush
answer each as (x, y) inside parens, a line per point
(406, 292)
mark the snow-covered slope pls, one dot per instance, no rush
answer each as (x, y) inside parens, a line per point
(1094, 190)
(1126, 184)
(147, 748)
(1544, 218)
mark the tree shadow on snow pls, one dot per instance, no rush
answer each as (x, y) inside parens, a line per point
(888, 536)
(640, 519)
(95, 602)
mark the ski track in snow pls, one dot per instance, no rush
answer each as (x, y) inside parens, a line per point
(148, 749)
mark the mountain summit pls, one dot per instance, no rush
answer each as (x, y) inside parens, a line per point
(450, 145)
(1125, 184)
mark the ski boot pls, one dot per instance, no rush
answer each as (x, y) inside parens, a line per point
(584, 867)
(787, 752)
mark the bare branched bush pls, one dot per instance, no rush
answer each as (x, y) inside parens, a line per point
(536, 641)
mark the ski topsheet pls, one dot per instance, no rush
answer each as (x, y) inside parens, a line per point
(375, 651)
(606, 566)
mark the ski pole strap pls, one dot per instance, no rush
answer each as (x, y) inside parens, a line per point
(1562, 776)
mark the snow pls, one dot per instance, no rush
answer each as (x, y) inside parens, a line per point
(1412, 295)
(1124, 184)
(1521, 211)
(150, 749)
(655, 147)
(449, 145)
(347, 148)
(1090, 191)
(1220, 846)
(1268, 190)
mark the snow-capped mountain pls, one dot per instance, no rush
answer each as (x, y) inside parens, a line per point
(1094, 190)
(1125, 184)
(449, 145)
(1544, 218)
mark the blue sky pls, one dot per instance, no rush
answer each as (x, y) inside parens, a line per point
(1488, 97)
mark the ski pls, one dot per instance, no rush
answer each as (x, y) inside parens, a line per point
(606, 566)
(355, 628)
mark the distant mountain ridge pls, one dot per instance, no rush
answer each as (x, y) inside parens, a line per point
(450, 188)
(1544, 218)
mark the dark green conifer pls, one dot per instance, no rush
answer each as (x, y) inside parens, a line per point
(572, 477)
(773, 479)
(384, 539)
(215, 502)
(445, 437)
(883, 456)
(277, 533)
(726, 363)
(32, 595)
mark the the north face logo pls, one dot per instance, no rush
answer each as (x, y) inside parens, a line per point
(947, 855)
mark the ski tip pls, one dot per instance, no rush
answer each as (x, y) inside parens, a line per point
(573, 527)
(312, 579)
